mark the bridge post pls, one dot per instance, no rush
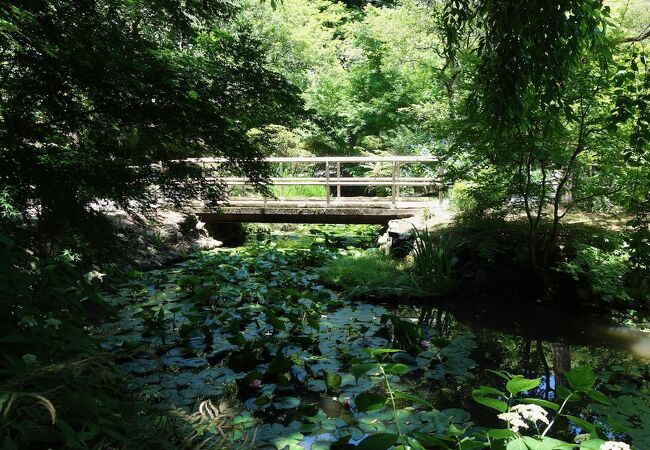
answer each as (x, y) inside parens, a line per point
(338, 180)
(397, 187)
(441, 176)
(282, 185)
(327, 181)
(392, 188)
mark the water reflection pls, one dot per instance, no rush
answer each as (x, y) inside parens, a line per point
(537, 343)
(544, 342)
(562, 328)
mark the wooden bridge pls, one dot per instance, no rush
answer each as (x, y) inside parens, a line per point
(335, 205)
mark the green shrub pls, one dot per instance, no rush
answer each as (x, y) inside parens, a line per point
(605, 271)
(486, 195)
(57, 388)
(461, 199)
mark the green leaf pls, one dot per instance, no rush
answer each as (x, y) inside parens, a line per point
(487, 390)
(491, 403)
(521, 384)
(396, 368)
(517, 444)
(599, 397)
(278, 324)
(581, 378)
(380, 441)
(545, 443)
(369, 401)
(430, 441)
(592, 444)
(586, 426)
(415, 399)
(565, 394)
(543, 403)
(333, 381)
(359, 370)
(500, 433)
(501, 373)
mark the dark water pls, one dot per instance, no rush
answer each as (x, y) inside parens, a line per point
(534, 322)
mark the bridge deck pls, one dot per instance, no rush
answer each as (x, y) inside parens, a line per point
(348, 210)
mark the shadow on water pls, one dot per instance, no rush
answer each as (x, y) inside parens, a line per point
(537, 341)
(564, 326)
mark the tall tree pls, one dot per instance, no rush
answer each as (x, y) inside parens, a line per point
(539, 111)
(92, 92)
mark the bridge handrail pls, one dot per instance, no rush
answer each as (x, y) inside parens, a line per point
(395, 181)
(326, 159)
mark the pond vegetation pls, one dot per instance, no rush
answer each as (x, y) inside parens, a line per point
(300, 365)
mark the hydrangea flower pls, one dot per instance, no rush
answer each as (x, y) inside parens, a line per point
(520, 414)
(514, 420)
(425, 344)
(614, 445)
(532, 413)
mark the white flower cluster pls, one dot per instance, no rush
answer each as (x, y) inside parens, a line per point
(519, 414)
(614, 445)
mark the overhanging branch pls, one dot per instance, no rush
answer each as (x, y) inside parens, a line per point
(641, 37)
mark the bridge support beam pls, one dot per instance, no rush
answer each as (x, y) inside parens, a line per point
(333, 215)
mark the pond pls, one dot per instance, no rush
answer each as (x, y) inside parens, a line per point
(255, 352)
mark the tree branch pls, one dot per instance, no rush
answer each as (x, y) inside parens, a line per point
(641, 37)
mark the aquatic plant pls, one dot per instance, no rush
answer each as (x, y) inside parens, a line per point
(433, 262)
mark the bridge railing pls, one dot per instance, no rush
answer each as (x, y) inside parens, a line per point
(332, 175)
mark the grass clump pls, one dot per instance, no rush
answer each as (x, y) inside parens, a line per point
(427, 271)
(370, 273)
(433, 261)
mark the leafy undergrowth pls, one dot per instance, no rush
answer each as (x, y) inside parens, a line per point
(371, 273)
(597, 265)
(255, 352)
(57, 388)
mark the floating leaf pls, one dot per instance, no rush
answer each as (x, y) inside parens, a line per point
(286, 402)
(333, 381)
(380, 441)
(369, 402)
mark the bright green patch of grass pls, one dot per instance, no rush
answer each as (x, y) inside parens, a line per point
(370, 273)
(299, 191)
